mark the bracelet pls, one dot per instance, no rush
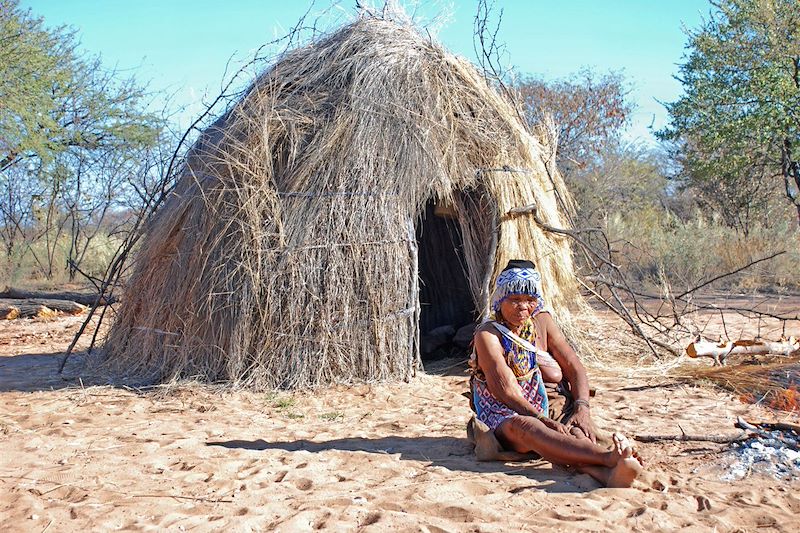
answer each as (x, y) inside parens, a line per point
(585, 403)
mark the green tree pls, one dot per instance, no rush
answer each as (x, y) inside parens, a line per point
(736, 129)
(53, 99)
(64, 122)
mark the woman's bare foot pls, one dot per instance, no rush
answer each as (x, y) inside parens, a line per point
(628, 466)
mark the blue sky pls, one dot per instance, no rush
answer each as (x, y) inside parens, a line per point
(183, 46)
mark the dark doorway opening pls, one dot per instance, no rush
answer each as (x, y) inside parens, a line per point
(446, 304)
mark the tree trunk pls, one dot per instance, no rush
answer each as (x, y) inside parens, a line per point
(12, 308)
(791, 176)
(83, 298)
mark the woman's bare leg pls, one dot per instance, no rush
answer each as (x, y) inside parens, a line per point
(616, 467)
(528, 434)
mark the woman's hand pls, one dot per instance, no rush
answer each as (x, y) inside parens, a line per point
(582, 420)
(555, 426)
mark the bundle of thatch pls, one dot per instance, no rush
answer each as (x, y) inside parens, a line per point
(288, 254)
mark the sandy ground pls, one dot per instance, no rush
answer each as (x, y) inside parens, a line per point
(78, 457)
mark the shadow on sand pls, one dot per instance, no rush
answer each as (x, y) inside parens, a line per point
(39, 372)
(448, 452)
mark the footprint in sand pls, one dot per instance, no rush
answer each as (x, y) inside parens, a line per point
(703, 503)
(371, 518)
(303, 483)
(246, 472)
(75, 495)
(184, 466)
(639, 511)
(659, 486)
(578, 517)
(457, 513)
(195, 477)
(393, 506)
(455, 491)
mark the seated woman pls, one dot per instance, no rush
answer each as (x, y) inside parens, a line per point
(508, 385)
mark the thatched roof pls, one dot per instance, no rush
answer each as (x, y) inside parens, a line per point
(287, 256)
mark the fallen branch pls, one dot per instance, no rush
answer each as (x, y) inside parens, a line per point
(764, 432)
(83, 298)
(781, 426)
(629, 320)
(11, 309)
(720, 351)
(719, 439)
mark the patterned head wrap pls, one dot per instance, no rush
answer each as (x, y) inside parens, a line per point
(518, 277)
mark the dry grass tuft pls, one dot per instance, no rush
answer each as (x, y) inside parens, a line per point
(773, 383)
(286, 257)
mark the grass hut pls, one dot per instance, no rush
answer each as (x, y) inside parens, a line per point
(353, 198)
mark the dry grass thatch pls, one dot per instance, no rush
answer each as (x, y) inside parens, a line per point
(287, 256)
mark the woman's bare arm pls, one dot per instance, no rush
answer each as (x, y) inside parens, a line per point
(573, 370)
(499, 378)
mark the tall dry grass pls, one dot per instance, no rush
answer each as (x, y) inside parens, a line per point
(656, 246)
(43, 263)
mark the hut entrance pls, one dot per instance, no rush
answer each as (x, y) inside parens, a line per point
(446, 303)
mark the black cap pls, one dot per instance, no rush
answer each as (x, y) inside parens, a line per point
(519, 263)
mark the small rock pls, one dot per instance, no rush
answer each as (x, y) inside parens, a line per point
(436, 337)
(463, 337)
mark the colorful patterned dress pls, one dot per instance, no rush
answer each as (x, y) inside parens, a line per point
(521, 361)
